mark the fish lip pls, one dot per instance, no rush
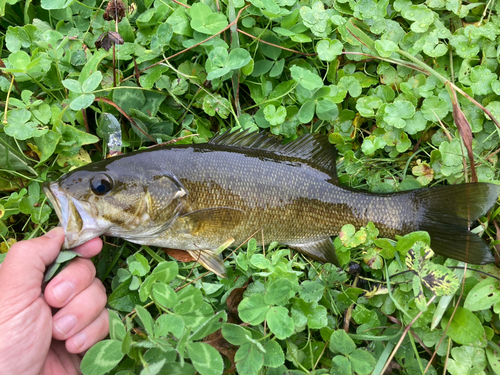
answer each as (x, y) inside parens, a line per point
(75, 217)
(58, 199)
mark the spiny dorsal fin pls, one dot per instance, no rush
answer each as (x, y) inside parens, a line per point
(311, 148)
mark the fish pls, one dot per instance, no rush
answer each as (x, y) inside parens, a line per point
(196, 197)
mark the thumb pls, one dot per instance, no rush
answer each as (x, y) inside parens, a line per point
(22, 271)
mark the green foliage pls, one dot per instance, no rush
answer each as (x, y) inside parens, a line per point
(377, 76)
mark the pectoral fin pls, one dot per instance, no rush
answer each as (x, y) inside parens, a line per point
(210, 260)
(322, 250)
(211, 220)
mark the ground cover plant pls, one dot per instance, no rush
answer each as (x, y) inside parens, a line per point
(407, 91)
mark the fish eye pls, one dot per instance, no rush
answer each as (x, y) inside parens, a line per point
(101, 184)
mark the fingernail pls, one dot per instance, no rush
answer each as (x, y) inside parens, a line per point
(56, 232)
(79, 339)
(65, 324)
(63, 290)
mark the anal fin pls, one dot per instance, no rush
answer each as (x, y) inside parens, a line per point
(322, 251)
(211, 260)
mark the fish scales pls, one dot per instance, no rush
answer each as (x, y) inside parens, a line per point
(292, 202)
(195, 197)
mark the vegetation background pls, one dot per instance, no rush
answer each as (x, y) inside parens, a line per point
(408, 91)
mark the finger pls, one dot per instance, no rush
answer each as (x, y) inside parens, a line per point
(96, 331)
(90, 248)
(23, 268)
(70, 282)
(80, 311)
(59, 361)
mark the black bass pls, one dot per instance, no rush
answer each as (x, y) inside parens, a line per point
(196, 197)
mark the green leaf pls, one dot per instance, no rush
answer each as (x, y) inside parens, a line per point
(19, 127)
(205, 21)
(20, 60)
(406, 242)
(197, 317)
(153, 368)
(82, 101)
(238, 58)
(235, 334)
(189, 299)
(362, 362)
(210, 326)
(123, 298)
(341, 366)
(11, 158)
(253, 309)
(327, 110)
(152, 76)
(434, 108)
(466, 360)
(311, 291)
(278, 292)
(166, 324)
(351, 84)
(275, 116)
(493, 359)
(328, 49)
(310, 313)
(395, 113)
(483, 295)
(422, 16)
(146, 319)
(279, 66)
(216, 104)
(73, 85)
(465, 328)
(249, 359)
(366, 105)
(316, 19)
(451, 152)
(91, 83)
(54, 4)
(305, 78)
(306, 112)
(279, 322)
(386, 48)
(206, 359)
(139, 266)
(350, 238)
(117, 329)
(102, 357)
(372, 144)
(341, 343)
(481, 79)
(180, 22)
(164, 295)
(439, 279)
(274, 356)
(130, 98)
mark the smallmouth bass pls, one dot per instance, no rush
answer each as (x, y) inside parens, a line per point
(196, 197)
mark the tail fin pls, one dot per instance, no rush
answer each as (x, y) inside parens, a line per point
(446, 215)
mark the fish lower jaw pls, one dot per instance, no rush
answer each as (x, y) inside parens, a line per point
(76, 218)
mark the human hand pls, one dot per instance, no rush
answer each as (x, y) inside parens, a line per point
(43, 334)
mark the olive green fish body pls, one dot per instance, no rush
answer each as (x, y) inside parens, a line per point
(196, 197)
(289, 200)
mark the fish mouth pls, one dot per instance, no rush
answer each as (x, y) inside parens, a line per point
(75, 217)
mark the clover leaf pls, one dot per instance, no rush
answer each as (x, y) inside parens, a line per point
(205, 21)
(329, 49)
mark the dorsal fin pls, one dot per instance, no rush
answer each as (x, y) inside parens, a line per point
(314, 149)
